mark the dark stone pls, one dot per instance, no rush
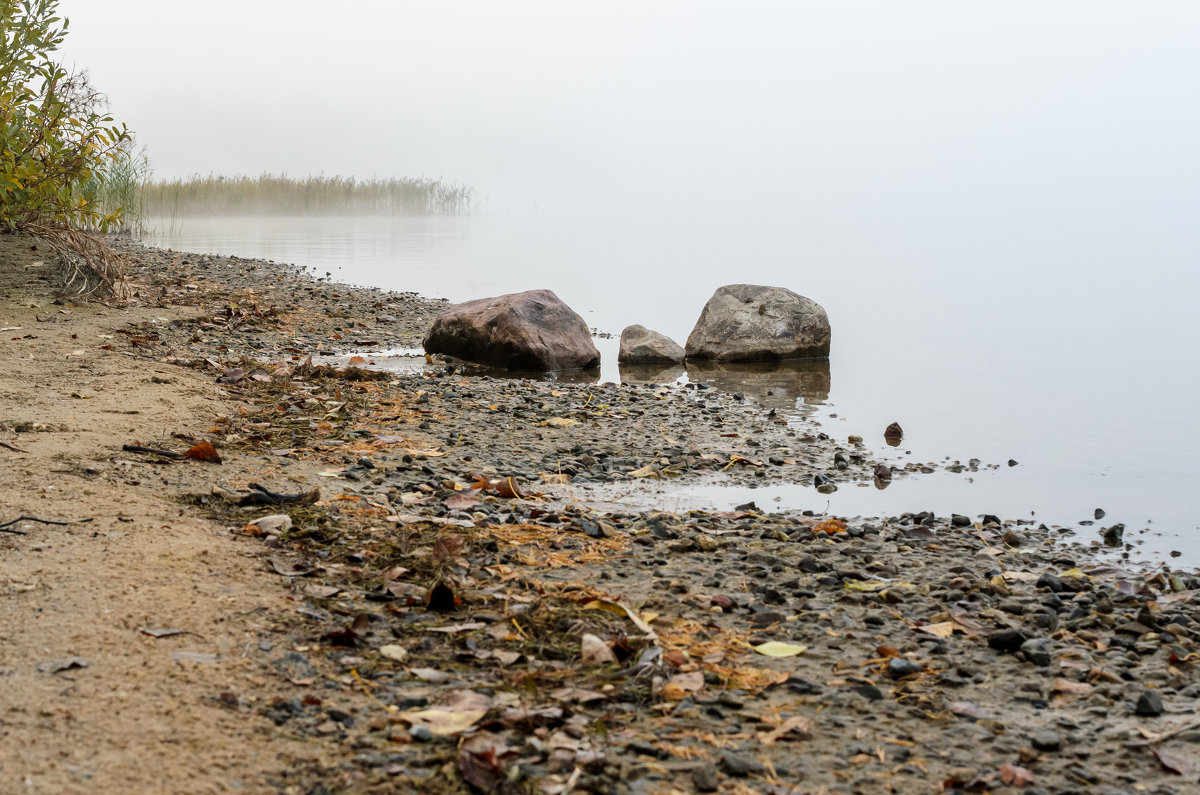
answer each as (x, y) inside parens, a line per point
(747, 323)
(801, 686)
(704, 778)
(646, 749)
(640, 345)
(1051, 582)
(958, 520)
(900, 667)
(1036, 651)
(533, 330)
(1006, 641)
(1149, 704)
(1046, 740)
(869, 692)
(738, 765)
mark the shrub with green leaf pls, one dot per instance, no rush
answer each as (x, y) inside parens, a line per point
(56, 143)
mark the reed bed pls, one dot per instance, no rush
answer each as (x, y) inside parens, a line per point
(282, 195)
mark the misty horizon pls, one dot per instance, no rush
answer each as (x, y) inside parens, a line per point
(891, 116)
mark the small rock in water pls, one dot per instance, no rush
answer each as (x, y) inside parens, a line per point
(1113, 535)
(1099, 513)
(1012, 462)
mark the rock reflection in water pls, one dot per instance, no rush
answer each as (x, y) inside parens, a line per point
(780, 385)
(651, 373)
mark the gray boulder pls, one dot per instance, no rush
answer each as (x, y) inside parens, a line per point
(640, 345)
(752, 323)
(533, 330)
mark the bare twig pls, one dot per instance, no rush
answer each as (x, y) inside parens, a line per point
(137, 448)
(1167, 735)
(4, 526)
(8, 446)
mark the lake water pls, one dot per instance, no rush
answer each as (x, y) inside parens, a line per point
(1074, 358)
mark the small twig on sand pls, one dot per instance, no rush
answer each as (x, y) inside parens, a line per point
(4, 526)
(137, 448)
(1167, 735)
(8, 446)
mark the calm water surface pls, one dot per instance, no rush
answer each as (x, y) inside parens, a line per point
(1077, 361)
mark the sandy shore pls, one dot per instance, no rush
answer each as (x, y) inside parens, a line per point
(462, 598)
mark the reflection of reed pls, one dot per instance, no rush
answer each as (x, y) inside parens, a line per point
(773, 384)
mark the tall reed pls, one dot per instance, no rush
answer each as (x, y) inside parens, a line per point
(321, 195)
(117, 190)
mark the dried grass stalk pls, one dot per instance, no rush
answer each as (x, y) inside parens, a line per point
(92, 266)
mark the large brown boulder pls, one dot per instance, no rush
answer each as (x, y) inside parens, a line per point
(533, 330)
(640, 345)
(752, 323)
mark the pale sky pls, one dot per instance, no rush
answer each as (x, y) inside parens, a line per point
(878, 108)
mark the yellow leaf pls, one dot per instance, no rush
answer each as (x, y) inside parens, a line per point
(774, 648)
(644, 472)
(443, 722)
(397, 653)
(943, 629)
(866, 586)
(560, 422)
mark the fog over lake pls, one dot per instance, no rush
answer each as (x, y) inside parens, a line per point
(994, 201)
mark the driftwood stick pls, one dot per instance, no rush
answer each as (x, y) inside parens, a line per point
(8, 446)
(4, 526)
(1167, 735)
(137, 448)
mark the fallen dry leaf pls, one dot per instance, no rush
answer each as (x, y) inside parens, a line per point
(393, 652)
(1067, 687)
(942, 629)
(1172, 763)
(1015, 776)
(797, 725)
(830, 526)
(774, 648)
(442, 722)
(203, 452)
(595, 651)
(680, 686)
(447, 546)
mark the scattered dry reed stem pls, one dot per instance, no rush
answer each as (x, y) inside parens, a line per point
(93, 267)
